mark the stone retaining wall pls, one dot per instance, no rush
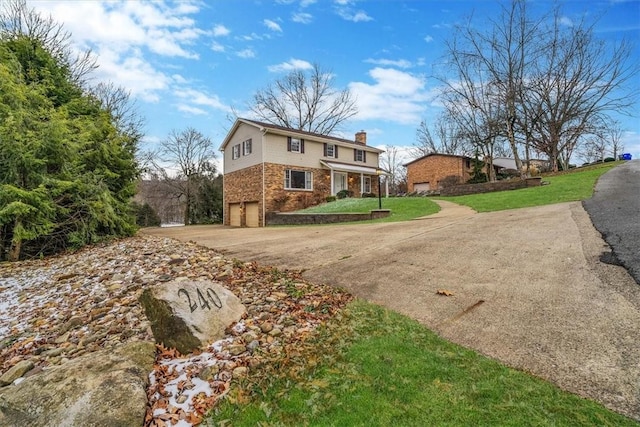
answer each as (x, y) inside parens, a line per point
(283, 218)
(487, 187)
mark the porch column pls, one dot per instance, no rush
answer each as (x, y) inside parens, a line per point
(332, 186)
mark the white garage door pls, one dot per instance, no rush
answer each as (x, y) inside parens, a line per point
(234, 214)
(423, 186)
(253, 214)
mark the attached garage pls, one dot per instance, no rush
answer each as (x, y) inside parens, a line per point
(423, 186)
(252, 214)
(235, 215)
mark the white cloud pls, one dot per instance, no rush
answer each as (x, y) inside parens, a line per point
(400, 63)
(126, 35)
(306, 3)
(134, 73)
(272, 25)
(246, 53)
(292, 64)
(566, 21)
(191, 110)
(302, 17)
(345, 10)
(361, 16)
(396, 96)
(217, 47)
(220, 31)
(428, 39)
(179, 79)
(196, 97)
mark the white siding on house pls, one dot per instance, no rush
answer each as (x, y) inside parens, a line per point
(276, 152)
(243, 133)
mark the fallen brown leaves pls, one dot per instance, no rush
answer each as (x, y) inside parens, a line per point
(71, 305)
(283, 312)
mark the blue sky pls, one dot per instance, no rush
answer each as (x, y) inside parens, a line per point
(189, 63)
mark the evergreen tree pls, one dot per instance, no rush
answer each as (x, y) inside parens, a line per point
(67, 162)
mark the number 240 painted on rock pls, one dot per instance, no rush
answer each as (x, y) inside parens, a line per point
(202, 299)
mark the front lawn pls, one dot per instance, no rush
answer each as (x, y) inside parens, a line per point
(402, 208)
(373, 367)
(577, 184)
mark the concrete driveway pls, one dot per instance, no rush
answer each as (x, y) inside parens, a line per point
(528, 287)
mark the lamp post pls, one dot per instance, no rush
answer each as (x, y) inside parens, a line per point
(379, 172)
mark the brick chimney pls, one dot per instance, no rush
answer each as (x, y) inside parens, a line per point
(361, 137)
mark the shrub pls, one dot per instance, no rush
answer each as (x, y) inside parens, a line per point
(146, 216)
(478, 178)
(449, 181)
(609, 159)
(331, 199)
(365, 195)
(343, 194)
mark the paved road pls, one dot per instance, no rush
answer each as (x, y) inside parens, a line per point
(615, 212)
(529, 289)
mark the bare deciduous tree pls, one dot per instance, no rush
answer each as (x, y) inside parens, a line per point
(191, 154)
(305, 102)
(556, 83)
(391, 161)
(447, 138)
(500, 57)
(614, 132)
(577, 82)
(117, 101)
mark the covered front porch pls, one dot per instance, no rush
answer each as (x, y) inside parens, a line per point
(356, 179)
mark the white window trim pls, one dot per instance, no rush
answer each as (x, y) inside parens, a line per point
(247, 143)
(333, 150)
(297, 141)
(235, 152)
(308, 180)
(361, 157)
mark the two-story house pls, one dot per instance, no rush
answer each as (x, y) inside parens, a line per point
(270, 168)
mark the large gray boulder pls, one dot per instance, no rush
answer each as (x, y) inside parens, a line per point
(104, 388)
(187, 315)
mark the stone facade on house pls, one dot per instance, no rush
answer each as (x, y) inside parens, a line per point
(287, 200)
(434, 171)
(242, 186)
(269, 168)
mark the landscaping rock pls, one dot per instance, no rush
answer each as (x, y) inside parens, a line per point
(186, 315)
(16, 372)
(110, 391)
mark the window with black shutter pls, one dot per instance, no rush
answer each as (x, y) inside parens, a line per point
(295, 145)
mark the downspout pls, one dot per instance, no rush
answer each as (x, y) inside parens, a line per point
(264, 198)
(225, 210)
(361, 184)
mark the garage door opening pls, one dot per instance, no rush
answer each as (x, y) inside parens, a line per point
(235, 217)
(422, 186)
(252, 214)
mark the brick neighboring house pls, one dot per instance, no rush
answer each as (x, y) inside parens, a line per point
(270, 168)
(429, 172)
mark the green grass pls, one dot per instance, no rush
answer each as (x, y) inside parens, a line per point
(373, 367)
(577, 184)
(565, 187)
(402, 208)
